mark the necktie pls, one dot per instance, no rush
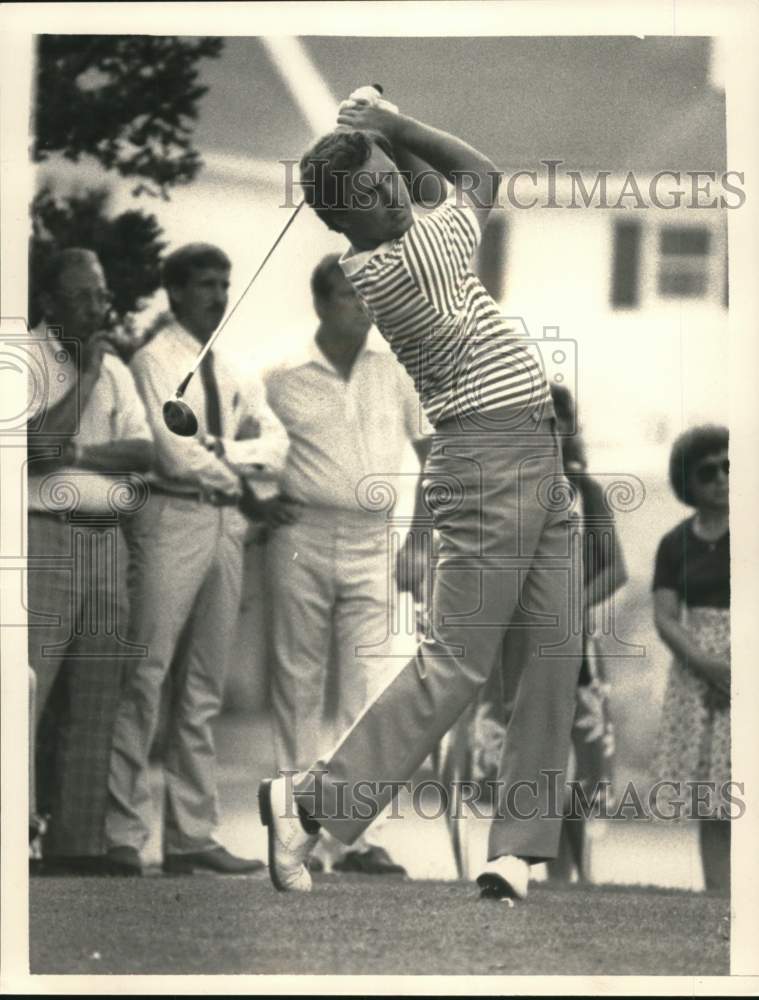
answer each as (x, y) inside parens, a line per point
(211, 389)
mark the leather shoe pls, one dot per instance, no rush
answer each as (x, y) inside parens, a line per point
(123, 861)
(375, 861)
(79, 865)
(505, 878)
(215, 859)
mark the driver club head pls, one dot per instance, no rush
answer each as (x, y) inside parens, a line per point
(179, 418)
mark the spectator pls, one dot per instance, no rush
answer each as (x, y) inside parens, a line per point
(692, 612)
(477, 748)
(186, 575)
(91, 432)
(604, 572)
(350, 411)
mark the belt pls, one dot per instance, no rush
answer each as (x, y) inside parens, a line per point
(507, 419)
(213, 497)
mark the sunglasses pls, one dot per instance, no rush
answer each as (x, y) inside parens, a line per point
(707, 472)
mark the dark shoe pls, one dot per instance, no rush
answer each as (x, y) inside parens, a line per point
(124, 861)
(315, 866)
(216, 859)
(375, 861)
(81, 865)
(505, 879)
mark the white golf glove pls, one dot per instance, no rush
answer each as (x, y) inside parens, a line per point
(368, 93)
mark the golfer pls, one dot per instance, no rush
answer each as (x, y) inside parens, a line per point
(494, 481)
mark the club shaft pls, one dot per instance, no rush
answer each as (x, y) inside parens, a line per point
(214, 337)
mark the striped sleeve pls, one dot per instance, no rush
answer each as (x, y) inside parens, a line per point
(437, 251)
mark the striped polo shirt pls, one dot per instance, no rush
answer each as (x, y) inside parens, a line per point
(440, 322)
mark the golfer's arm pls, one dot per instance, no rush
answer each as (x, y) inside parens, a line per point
(428, 187)
(178, 457)
(455, 159)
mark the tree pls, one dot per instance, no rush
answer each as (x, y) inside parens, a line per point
(130, 101)
(129, 246)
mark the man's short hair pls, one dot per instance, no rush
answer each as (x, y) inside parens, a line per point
(61, 260)
(688, 450)
(177, 268)
(324, 167)
(323, 275)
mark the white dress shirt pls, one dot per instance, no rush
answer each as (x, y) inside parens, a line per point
(342, 431)
(259, 453)
(114, 412)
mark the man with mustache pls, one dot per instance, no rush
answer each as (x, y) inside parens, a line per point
(186, 579)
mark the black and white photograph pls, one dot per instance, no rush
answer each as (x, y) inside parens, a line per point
(378, 489)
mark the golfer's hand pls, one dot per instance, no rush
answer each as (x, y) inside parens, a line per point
(372, 96)
(360, 114)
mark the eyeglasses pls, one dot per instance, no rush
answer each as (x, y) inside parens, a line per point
(707, 472)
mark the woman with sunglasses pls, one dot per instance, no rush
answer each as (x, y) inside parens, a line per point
(692, 614)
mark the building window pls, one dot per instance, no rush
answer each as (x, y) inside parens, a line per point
(684, 262)
(670, 263)
(625, 283)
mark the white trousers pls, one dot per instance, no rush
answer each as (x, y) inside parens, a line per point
(331, 588)
(185, 579)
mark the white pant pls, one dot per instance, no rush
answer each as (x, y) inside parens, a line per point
(331, 588)
(185, 580)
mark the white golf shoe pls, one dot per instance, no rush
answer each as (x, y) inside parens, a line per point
(289, 844)
(504, 878)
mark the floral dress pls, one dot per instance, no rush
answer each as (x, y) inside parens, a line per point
(694, 736)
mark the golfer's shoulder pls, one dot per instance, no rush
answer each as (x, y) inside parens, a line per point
(453, 220)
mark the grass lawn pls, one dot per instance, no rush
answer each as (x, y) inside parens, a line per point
(355, 924)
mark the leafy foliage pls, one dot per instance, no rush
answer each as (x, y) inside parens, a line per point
(130, 101)
(129, 246)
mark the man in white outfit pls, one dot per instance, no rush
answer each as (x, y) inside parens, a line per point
(350, 412)
(186, 575)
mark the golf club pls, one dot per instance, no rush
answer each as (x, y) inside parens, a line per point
(177, 414)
